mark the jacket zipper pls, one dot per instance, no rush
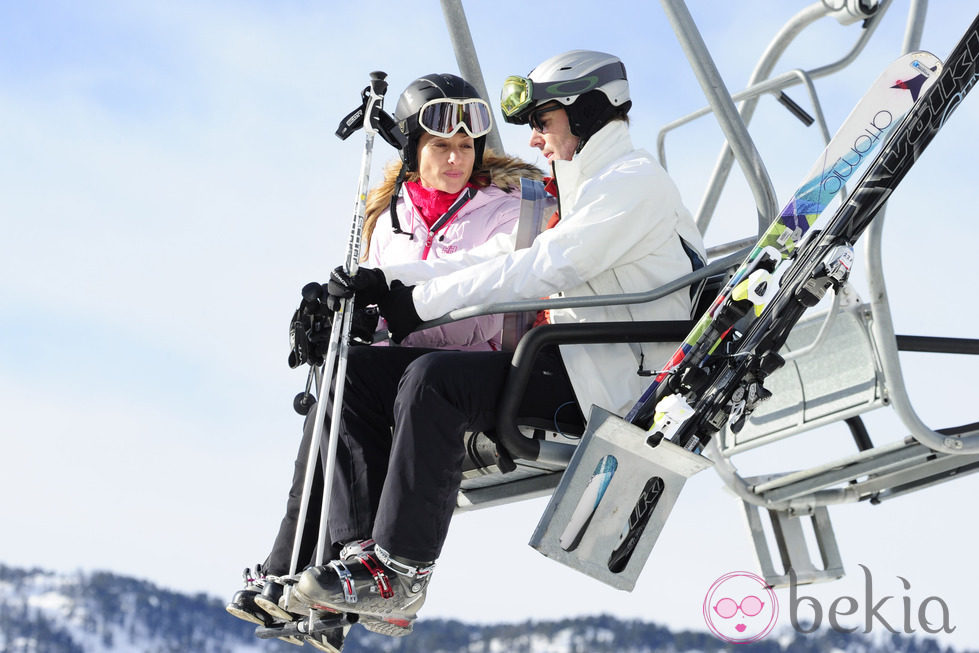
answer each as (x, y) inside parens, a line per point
(447, 218)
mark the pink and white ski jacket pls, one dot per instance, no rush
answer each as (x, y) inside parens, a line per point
(490, 212)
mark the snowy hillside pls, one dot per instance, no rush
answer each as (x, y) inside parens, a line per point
(43, 612)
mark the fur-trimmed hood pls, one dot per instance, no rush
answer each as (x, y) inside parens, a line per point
(504, 171)
(500, 170)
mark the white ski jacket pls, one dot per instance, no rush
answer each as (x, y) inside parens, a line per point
(620, 232)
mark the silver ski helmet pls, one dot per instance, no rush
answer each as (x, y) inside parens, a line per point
(592, 86)
(441, 104)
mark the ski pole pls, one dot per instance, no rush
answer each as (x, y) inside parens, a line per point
(368, 116)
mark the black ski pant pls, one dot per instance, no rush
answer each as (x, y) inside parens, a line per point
(400, 450)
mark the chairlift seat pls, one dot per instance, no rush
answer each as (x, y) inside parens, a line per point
(486, 483)
(841, 378)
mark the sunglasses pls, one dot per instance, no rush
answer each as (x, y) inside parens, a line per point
(534, 118)
(446, 116)
(750, 606)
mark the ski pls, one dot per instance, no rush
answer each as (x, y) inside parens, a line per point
(636, 524)
(901, 87)
(588, 503)
(308, 626)
(734, 386)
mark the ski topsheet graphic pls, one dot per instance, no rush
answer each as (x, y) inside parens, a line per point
(726, 389)
(609, 535)
(588, 503)
(899, 88)
(636, 524)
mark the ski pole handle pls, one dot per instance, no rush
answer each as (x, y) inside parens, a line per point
(378, 86)
(375, 101)
(368, 114)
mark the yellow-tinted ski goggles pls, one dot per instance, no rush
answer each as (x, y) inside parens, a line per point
(520, 93)
(517, 95)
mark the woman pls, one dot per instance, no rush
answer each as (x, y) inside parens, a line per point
(447, 194)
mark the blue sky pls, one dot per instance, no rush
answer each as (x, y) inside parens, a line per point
(169, 179)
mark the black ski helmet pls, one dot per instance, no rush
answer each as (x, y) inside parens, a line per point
(422, 90)
(592, 87)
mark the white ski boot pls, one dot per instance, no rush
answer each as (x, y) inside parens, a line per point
(384, 590)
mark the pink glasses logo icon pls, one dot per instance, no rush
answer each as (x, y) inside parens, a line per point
(740, 608)
(750, 606)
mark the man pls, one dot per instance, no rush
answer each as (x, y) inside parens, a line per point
(621, 229)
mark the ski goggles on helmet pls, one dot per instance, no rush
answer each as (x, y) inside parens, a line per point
(446, 116)
(516, 96)
(520, 93)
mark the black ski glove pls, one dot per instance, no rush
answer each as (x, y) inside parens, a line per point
(309, 329)
(398, 309)
(368, 284)
(363, 324)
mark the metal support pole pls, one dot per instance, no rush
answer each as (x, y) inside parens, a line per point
(916, 25)
(727, 114)
(465, 51)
